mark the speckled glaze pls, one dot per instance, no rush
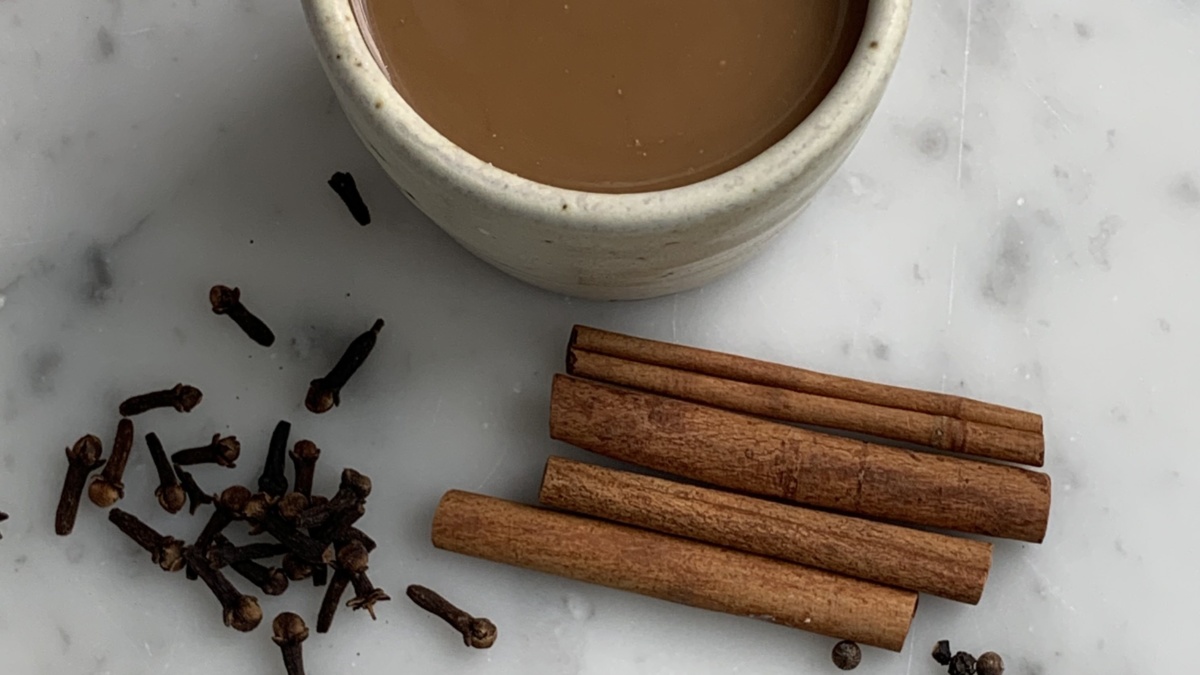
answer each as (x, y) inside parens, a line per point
(605, 246)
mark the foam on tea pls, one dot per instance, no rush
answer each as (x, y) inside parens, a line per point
(613, 95)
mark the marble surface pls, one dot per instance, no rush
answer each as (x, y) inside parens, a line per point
(1019, 224)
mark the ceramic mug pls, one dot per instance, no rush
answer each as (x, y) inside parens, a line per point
(597, 245)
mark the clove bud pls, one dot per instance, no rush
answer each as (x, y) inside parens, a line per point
(304, 460)
(166, 552)
(290, 631)
(181, 397)
(273, 481)
(231, 506)
(325, 392)
(351, 560)
(107, 488)
(366, 595)
(171, 495)
(82, 459)
(270, 580)
(195, 494)
(228, 301)
(220, 451)
(242, 612)
(478, 633)
(345, 187)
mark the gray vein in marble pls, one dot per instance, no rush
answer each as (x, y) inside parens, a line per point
(98, 276)
(1006, 282)
(932, 140)
(1098, 243)
(880, 350)
(1185, 190)
(42, 366)
(105, 43)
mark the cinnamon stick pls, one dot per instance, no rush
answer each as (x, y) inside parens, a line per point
(753, 371)
(760, 457)
(669, 568)
(950, 567)
(937, 431)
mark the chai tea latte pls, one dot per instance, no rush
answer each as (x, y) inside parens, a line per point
(613, 95)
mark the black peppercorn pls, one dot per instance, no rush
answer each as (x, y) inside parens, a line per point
(847, 655)
(989, 663)
(941, 652)
(962, 663)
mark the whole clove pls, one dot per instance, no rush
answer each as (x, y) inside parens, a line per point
(477, 632)
(220, 451)
(242, 612)
(231, 506)
(181, 397)
(366, 595)
(257, 508)
(273, 481)
(304, 460)
(343, 184)
(290, 631)
(228, 301)
(171, 495)
(339, 521)
(346, 507)
(355, 534)
(296, 568)
(224, 554)
(351, 560)
(847, 655)
(82, 459)
(270, 580)
(166, 552)
(962, 663)
(941, 652)
(291, 505)
(325, 392)
(989, 663)
(330, 520)
(196, 496)
(107, 488)
(297, 542)
(320, 573)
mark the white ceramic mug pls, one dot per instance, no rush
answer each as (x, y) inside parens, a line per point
(594, 245)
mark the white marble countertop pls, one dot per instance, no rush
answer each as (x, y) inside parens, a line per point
(1019, 224)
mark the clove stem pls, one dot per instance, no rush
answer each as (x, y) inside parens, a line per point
(477, 632)
(107, 488)
(82, 459)
(273, 481)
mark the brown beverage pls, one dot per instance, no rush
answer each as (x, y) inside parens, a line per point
(613, 95)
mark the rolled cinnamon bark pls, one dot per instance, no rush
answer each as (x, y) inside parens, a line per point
(760, 457)
(669, 568)
(937, 431)
(950, 567)
(754, 371)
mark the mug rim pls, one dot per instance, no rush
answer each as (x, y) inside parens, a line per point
(346, 55)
